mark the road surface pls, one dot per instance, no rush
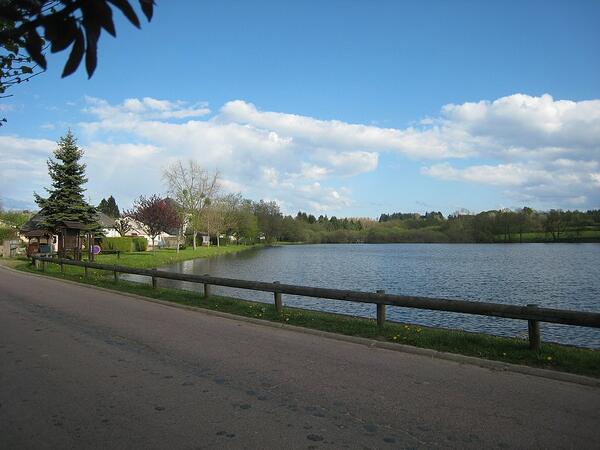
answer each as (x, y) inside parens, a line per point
(83, 368)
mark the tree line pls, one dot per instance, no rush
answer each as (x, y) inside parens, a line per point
(248, 220)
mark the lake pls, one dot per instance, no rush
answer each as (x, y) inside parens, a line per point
(564, 276)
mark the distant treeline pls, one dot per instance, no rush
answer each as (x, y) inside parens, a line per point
(522, 225)
(250, 221)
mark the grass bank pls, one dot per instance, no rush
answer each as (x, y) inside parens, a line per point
(511, 350)
(164, 257)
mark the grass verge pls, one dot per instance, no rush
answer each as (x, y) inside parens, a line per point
(511, 350)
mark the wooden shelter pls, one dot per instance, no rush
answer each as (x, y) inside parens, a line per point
(66, 240)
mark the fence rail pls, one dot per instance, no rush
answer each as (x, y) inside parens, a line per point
(532, 313)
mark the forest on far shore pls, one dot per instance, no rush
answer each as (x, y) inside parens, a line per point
(253, 222)
(522, 225)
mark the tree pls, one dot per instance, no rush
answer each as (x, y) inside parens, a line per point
(247, 225)
(556, 223)
(122, 225)
(192, 187)
(14, 219)
(155, 214)
(232, 204)
(109, 207)
(269, 219)
(15, 66)
(62, 23)
(523, 220)
(221, 214)
(65, 201)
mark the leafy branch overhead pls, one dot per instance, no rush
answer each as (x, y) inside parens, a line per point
(35, 25)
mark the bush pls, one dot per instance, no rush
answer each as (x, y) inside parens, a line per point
(140, 244)
(123, 244)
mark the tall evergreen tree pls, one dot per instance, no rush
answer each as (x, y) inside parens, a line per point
(65, 201)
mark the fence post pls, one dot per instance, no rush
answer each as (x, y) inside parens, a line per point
(36, 262)
(62, 268)
(116, 275)
(206, 288)
(85, 271)
(154, 281)
(278, 302)
(44, 264)
(535, 339)
(380, 311)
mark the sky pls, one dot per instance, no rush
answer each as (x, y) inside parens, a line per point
(342, 108)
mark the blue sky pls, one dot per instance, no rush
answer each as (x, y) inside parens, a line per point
(343, 108)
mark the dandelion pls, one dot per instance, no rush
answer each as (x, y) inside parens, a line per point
(418, 330)
(395, 338)
(503, 354)
(549, 358)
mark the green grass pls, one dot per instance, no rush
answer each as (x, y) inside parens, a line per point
(511, 350)
(163, 257)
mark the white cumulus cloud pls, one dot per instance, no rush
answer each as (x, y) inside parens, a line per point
(534, 148)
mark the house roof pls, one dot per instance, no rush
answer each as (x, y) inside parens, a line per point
(104, 220)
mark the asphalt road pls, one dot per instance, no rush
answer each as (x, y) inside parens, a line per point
(83, 368)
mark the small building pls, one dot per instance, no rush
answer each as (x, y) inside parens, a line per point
(66, 241)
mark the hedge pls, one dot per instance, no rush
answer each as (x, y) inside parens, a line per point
(125, 244)
(140, 244)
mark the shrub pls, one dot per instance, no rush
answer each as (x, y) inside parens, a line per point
(140, 244)
(123, 244)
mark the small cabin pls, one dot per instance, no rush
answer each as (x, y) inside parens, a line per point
(66, 241)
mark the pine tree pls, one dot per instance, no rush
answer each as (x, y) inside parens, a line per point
(65, 201)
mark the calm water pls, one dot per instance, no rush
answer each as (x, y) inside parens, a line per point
(565, 276)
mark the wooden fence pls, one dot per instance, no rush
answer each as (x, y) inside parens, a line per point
(532, 313)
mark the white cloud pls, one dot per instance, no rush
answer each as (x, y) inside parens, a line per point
(562, 182)
(335, 134)
(23, 166)
(545, 149)
(134, 109)
(499, 175)
(350, 163)
(524, 121)
(551, 148)
(253, 157)
(313, 172)
(548, 148)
